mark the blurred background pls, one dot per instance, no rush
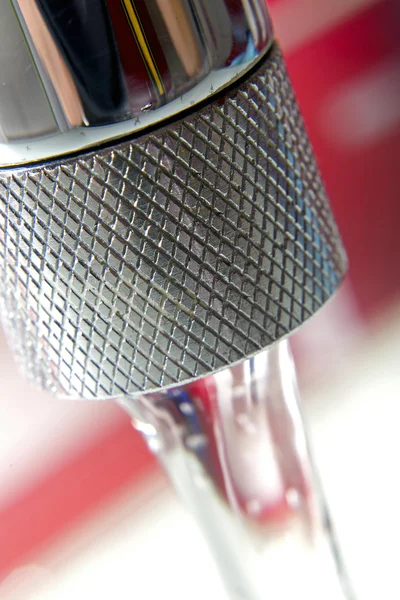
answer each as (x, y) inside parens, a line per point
(84, 510)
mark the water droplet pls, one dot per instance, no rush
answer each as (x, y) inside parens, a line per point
(154, 444)
(253, 507)
(293, 498)
(200, 481)
(246, 424)
(146, 428)
(196, 441)
(239, 391)
(186, 408)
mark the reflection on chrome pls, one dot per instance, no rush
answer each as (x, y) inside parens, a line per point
(234, 446)
(115, 62)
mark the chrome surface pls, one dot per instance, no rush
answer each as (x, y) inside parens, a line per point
(78, 73)
(233, 445)
(167, 258)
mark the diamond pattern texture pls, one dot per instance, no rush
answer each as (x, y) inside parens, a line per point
(172, 255)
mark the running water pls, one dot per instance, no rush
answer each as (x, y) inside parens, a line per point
(234, 446)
